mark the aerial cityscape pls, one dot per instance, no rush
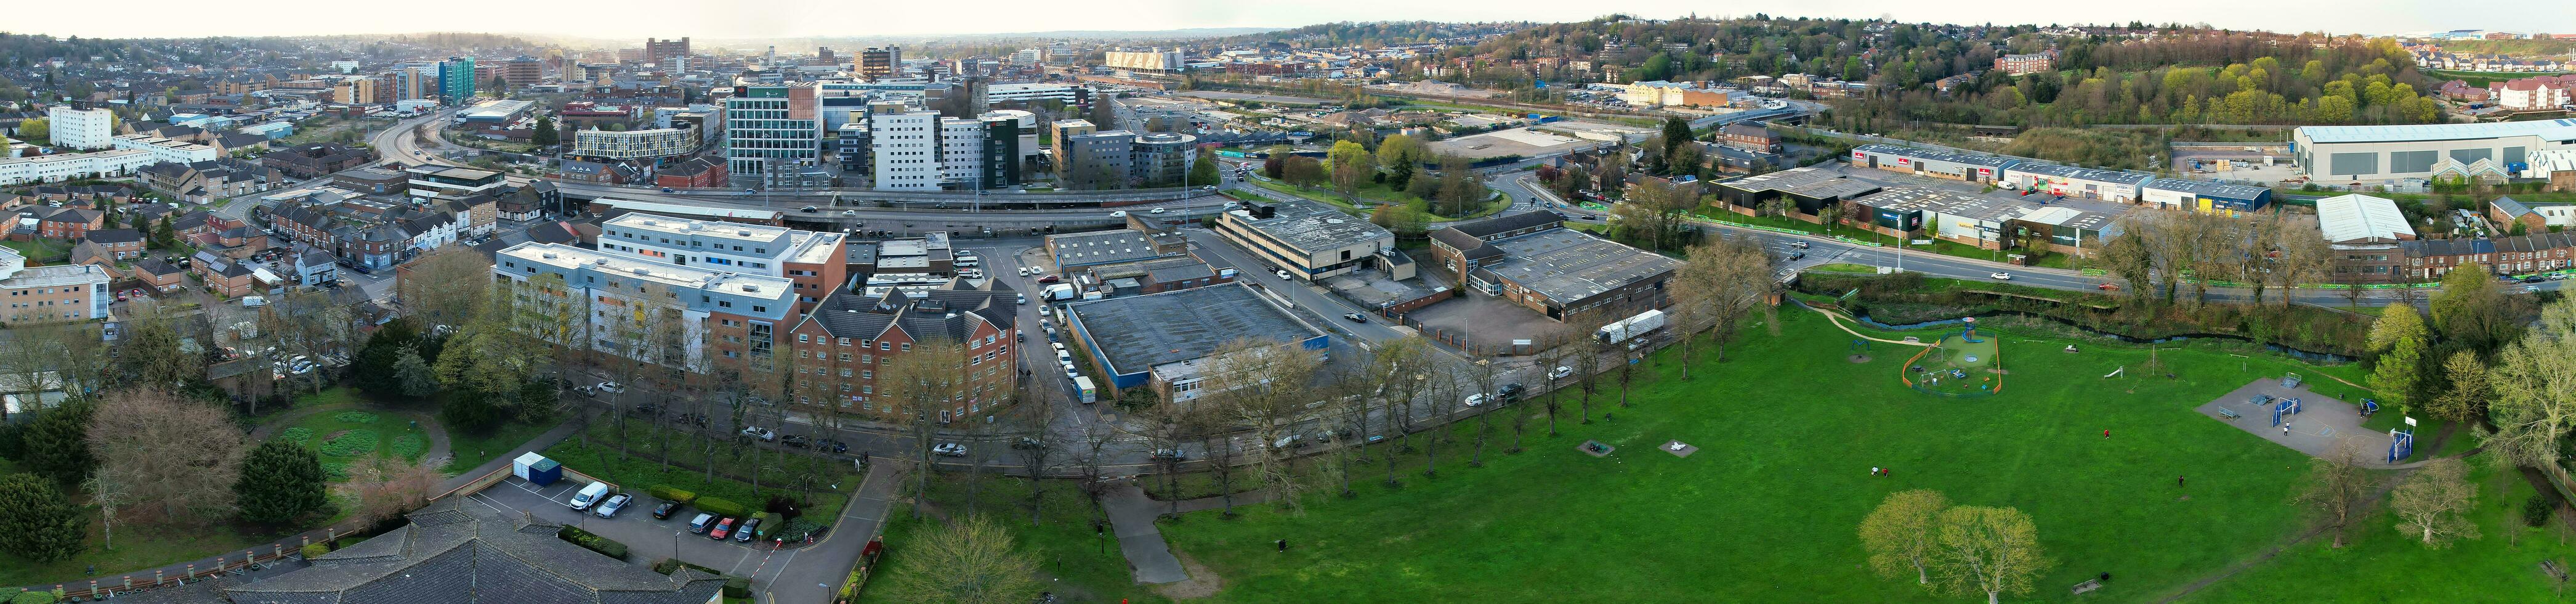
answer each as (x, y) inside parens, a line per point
(1285, 303)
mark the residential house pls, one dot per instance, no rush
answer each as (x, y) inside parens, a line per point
(117, 244)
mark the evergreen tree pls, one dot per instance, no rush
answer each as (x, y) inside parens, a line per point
(280, 481)
(37, 522)
(57, 444)
(1204, 172)
(546, 133)
(166, 235)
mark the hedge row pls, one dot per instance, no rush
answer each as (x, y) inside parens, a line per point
(593, 542)
(673, 565)
(719, 506)
(671, 494)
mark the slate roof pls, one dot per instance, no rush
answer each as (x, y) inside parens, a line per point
(948, 311)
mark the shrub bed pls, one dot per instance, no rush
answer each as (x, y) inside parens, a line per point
(593, 542)
(719, 506)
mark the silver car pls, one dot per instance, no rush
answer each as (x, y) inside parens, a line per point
(614, 504)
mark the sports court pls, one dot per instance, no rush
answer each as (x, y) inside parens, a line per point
(2316, 422)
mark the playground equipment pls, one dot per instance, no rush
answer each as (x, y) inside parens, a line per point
(2401, 444)
(2369, 406)
(2283, 407)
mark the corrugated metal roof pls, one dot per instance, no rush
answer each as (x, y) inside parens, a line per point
(2558, 130)
(2355, 217)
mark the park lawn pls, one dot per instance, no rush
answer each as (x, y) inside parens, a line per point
(1845, 267)
(830, 480)
(1943, 247)
(2380, 564)
(470, 449)
(1090, 566)
(1767, 508)
(346, 438)
(39, 250)
(139, 547)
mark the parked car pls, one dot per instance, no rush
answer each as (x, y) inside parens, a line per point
(1049, 279)
(701, 523)
(749, 528)
(797, 440)
(615, 503)
(665, 510)
(1171, 454)
(1560, 372)
(588, 496)
(1476, 399)
(1510, 392)
(949, 449)
(723, 528)
(759, 432)
(835, 446)
(611, 387)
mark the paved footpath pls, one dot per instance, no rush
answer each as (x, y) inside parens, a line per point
(816, 574)
(1132, 514)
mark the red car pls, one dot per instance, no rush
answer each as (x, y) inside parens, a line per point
(722, 527)
(1049, 279)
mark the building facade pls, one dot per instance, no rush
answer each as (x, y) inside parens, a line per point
(771, 130)
(83, 129)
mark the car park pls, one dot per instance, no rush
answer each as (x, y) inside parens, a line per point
(615, 503)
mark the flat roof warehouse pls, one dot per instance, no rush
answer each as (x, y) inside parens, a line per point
(1170, 327)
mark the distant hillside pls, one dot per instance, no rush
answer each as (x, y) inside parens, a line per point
(1381, 33)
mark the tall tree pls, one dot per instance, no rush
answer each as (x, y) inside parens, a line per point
(2338, 485)
(2394, 374)
(1989, 550)
(37, 522)
(970, 561)
(57, 443)
(1903, 533)
(2432, 504)
(280, 481)
(2469, 389)
(1352, 166)
(545, 133)
(1461, 192)
(2471, 311)
(1203, 171)
(2535, 390)
(163, 445)
(1719, 282)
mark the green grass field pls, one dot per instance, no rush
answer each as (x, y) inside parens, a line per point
(1090, 566)
(1766, 509)
(347, 438)
(2378, 564)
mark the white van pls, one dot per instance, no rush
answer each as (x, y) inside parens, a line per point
(254, 301)
(588, 496)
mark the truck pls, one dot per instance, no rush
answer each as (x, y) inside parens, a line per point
(1060, 292)
(1628, 328)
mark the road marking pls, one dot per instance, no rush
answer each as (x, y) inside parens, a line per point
(737, 564)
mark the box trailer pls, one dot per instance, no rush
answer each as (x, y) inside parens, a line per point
(1628, 328)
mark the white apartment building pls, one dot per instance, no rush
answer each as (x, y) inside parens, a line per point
(1032, 93)
(83, 129)
(961, 150)
(163, 149)
(45, 294)
(680, 317)
(904, 149)
(634, 144)
(70, 166)
(724, 246)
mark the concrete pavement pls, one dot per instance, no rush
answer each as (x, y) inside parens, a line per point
(1132, 516)
(822, 568)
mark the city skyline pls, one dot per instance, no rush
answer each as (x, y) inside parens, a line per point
(811, 19)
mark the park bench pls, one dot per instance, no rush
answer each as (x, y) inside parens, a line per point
(2087, 585)
(2226, 412)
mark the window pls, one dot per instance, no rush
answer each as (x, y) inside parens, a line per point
(803, 338)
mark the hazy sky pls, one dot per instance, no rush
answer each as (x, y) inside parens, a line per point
(801, 18)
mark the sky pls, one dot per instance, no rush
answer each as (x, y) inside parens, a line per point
(720, 19)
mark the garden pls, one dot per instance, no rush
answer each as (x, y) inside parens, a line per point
(347, 438)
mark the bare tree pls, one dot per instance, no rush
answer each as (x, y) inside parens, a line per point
(1268, 387)
(387, 488)
(178, 454)
(111, 489)
(1564, 346)
(972, 561)
(1715, 287)
(2338, 486)
(1035, 415)
(2432, 504)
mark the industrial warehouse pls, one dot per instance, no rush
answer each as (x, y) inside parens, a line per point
(2486, 151)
